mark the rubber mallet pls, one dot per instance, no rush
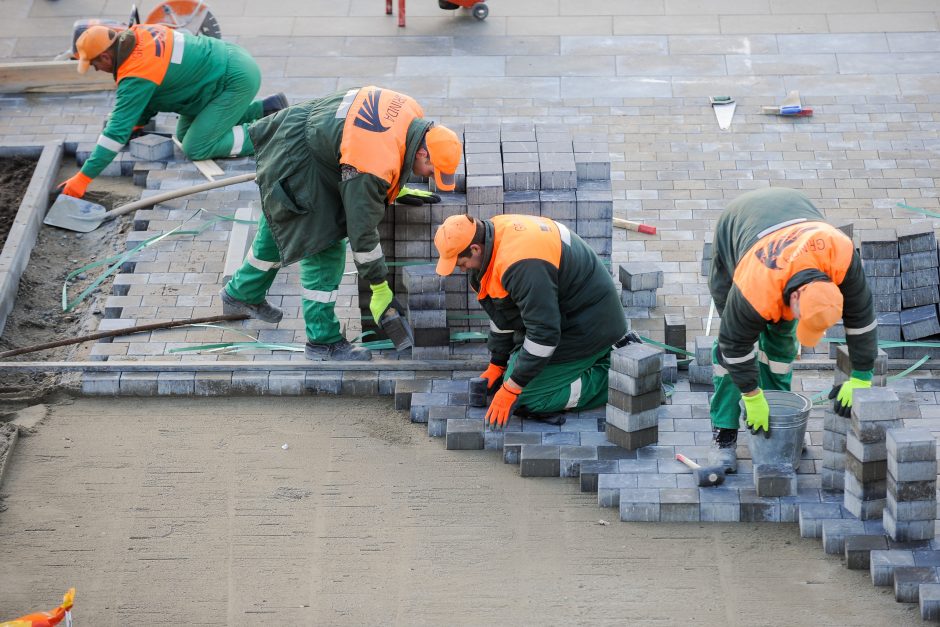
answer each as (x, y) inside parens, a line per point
(706, 476)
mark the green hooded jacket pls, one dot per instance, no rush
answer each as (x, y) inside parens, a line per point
(309, 198)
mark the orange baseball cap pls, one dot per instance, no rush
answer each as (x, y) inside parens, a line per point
(444, 149)
(451, 239)
(820, 308)
(95, 40)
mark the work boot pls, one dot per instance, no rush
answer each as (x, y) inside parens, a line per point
(556, 418)
(337, 351)
(723, 453)
(262, 311)
(273, 104)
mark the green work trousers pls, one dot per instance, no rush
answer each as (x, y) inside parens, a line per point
(320, 276)
(221, 128)
(777, 348)
(579, 384)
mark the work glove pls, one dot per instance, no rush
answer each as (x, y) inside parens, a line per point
(502, 404)
(416, 197)
(381, 299)
(137, 131)
(757, 413)
(493, 375)
(842, 394)
(75, 186)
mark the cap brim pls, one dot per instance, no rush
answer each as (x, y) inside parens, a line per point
(808, 337)
(446, 265)
(83, 65)
(445, 182)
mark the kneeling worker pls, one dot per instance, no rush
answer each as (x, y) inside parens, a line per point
(209, 82)
(553, 308)
(780, 277)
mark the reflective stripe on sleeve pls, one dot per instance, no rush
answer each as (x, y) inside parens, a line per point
(109, 144)
(238, 140)
(738, 360)
(317, 296)
(179, 43)
(346, 103)
(565, 233)
(865, 329)
(776, 367)
(372, 255)
(778, 226)
(539, 350)
(260, 264)
(496, 329)
(574, 397)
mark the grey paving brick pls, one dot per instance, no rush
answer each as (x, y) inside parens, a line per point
(152, 148)
(911, 445)
(912, 262)
(912, 510)
(670, 368)
(631, 422)
(212, 383)
(512, 444)
(884, 284)
(360, 383)
(639, 505)
(609, 486)
(908, 579)
(876, 451)
(138, 384)
(834, 532)
(834, 443)
(641, 298)
(883, 563)
(539, 460)
(326, 382)
(464, 434)
(858, 549)
(912, 490)
(878, 244)
(590, 470)
(641, 275)
(865, 472)
(908, 530)
(632, 440)
(882, 267)
(571, 457)
(477, 392)
(637, 360)
(287, 383)
(919, 322)
(929, 599)
(774, 480)
(887, 302)
(916, 237)
(911, 471)
(870, 509)
(874, 404)
(719, 504)
(812, 516)
(926, 557)
(703, 349)
(919, 297)
(679, 505)
(405, 388)
(438, 415)
(919, 278)
(756, 508)
(101, 383)
(635, 386)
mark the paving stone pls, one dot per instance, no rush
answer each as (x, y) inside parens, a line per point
(929, 598)
(590, 470)
(878, 244)
(858, 548)
(919, 278)
(911, 471)
(719, 504)
(679, 505)
(908, 530)
(908, 579)
(464, 434)
(912, 490)
(774, 480)
(249, 383)
(911, 445)
(703, 349)
(641, 275)
(926, 557)
(632, 422)
(438, 416)
(832, 479)
(421, 402)
(138, 384)
(887, 302)
(906, 511)
(883, 563)
(670, 372)
(477, 392)
(512, 444)
(632, 440)
(610, 485)
(152, 148)
(287, 383)
(404, 389)
(834, 532)
(884, 285)
(634, 386)
(638, 299)
(360, 383)
(912, 262)
(875, 451)
(864, 509)
(639, 505)
(571, 457)
(918, 297)
(881, 267)
(874, 404)
(212, 383)
(919, 322)
(755, 508)
(325, 382)
(865, 472)
(916, 237)
(637, 360)
(834, 444)
(101, 383)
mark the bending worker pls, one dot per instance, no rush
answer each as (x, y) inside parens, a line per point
(327, 169)
(780, 277)
(553, 308)
(210, 83)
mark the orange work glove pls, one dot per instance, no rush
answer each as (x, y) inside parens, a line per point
(501, 406)
(492, 374)
(76, 185)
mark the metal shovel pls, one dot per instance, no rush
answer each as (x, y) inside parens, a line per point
(80, 215)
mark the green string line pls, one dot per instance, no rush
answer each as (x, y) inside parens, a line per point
(822, 397)
(667, 346)
(918, 210)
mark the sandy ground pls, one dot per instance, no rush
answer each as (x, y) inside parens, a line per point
(191, 512)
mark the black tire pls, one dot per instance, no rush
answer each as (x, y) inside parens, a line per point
(480, 11)
(210, 26)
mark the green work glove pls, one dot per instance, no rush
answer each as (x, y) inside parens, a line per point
(381, 299)
(757, 413)
(416, 197)
(842, 394)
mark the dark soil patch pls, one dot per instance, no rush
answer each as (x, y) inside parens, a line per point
(15, 174)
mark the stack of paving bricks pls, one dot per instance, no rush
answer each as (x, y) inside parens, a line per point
(426, 312)
(707, 252)
(635, 394)
(511, 168)
(874, 411)
(639, 281)
(835, 427)
(701, 370)
(912, 485)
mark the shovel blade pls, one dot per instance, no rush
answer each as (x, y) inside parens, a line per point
(75, 214)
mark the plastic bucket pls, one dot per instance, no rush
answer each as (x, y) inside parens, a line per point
(789, 413)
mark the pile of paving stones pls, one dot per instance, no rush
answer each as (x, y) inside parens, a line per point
(639, 281)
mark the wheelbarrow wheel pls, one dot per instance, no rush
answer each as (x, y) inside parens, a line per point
(480, 11)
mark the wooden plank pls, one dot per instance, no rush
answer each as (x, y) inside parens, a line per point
(51, 77)
(209, 168)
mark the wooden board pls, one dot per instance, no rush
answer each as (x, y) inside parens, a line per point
(51, 77)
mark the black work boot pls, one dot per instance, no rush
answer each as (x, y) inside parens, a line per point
(273, 104)
(724, 450)
(556, 418)
(337, 351)
(262, 311)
